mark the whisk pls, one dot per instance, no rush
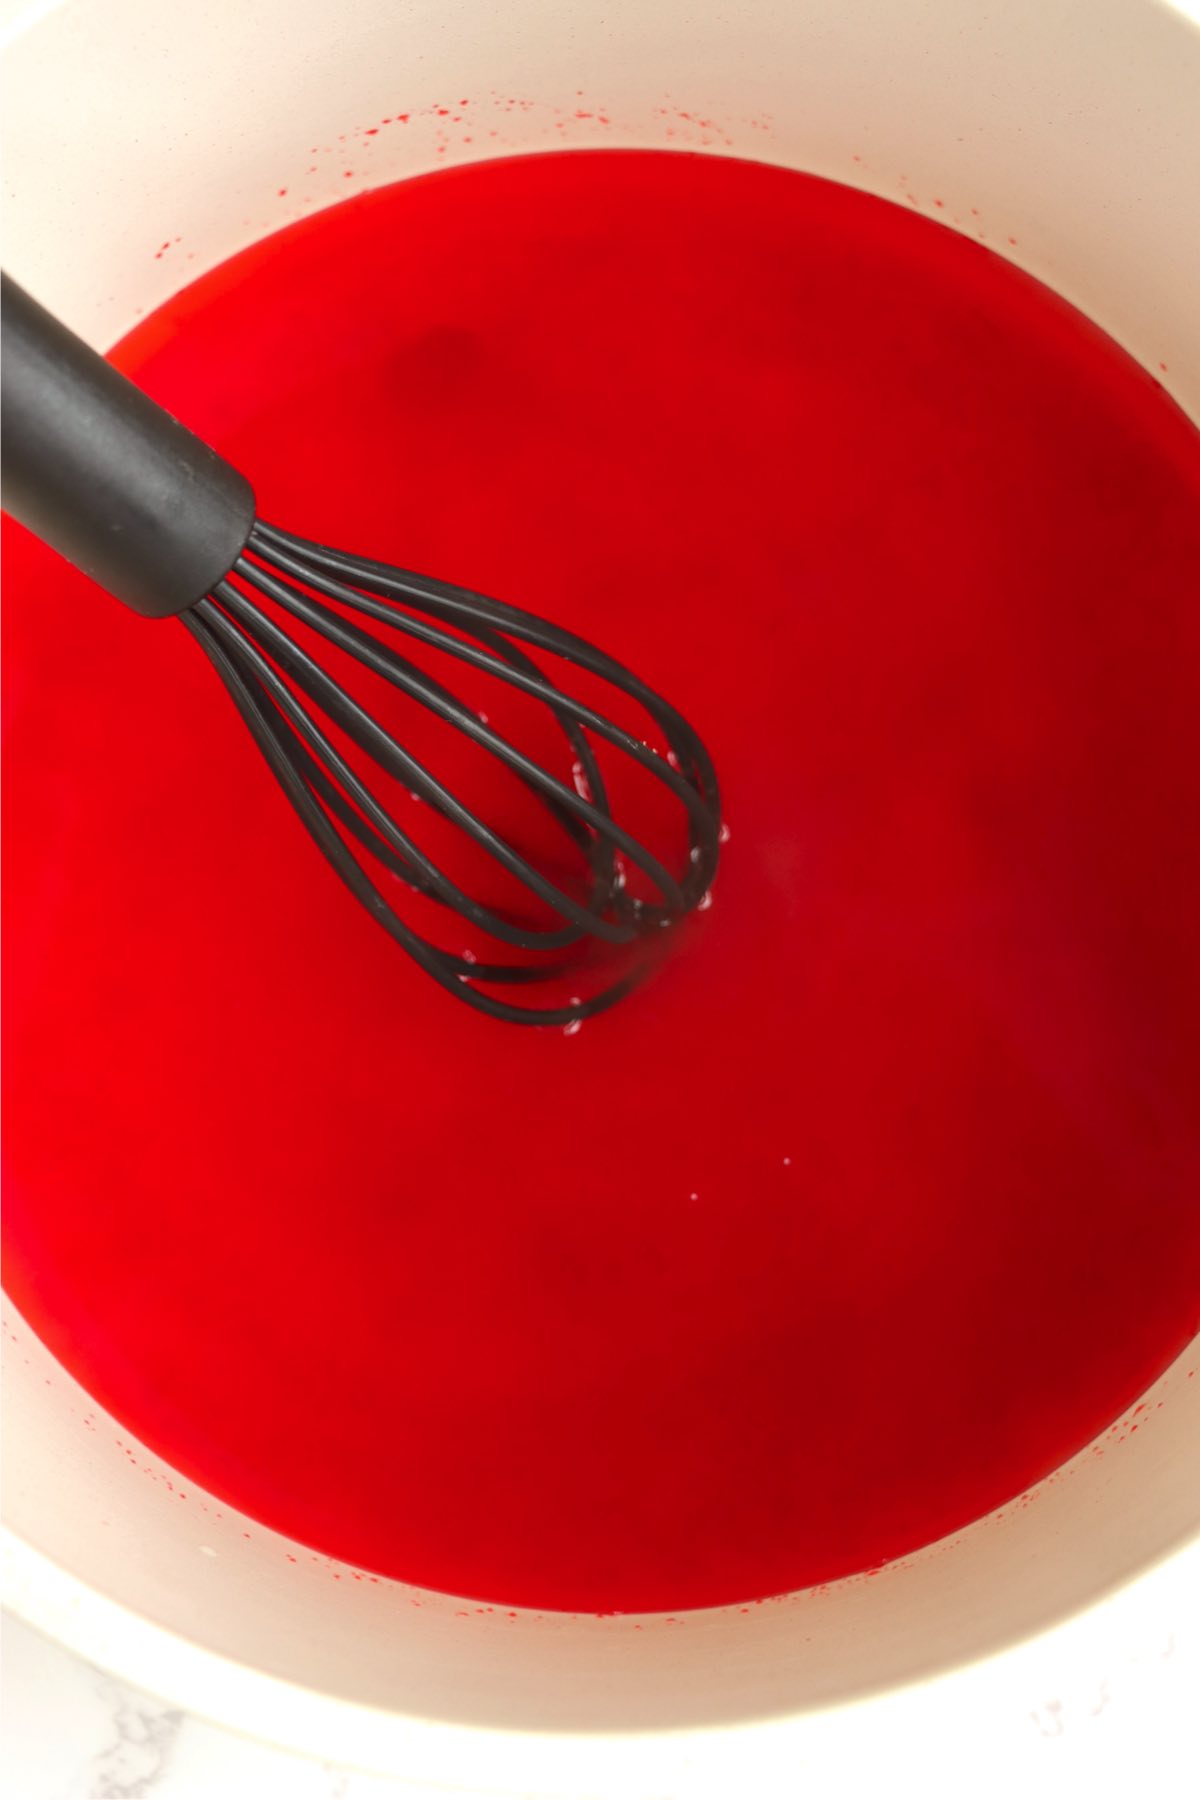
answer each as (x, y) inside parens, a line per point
(109, 479)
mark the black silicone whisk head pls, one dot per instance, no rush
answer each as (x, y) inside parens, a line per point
(329, 753)
(540, 892)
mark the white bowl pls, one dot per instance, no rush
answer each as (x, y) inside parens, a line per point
(1074, 129)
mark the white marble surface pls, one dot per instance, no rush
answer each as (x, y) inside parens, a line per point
(71, 1732)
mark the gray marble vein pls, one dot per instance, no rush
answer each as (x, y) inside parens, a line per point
(139, 1755)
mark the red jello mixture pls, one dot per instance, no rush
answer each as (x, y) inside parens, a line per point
(884, 1196)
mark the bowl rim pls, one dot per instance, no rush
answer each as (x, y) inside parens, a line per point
(998, 1710)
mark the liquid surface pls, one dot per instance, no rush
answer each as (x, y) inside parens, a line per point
(881, 1199)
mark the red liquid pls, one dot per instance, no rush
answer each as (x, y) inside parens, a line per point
(882, 1198)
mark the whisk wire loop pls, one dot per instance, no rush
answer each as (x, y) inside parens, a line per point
(291, 703)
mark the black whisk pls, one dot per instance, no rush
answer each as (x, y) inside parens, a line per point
(96, 469)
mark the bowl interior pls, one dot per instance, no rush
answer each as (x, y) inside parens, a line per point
(143, 146)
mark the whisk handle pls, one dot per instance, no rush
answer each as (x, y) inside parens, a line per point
(104, 475)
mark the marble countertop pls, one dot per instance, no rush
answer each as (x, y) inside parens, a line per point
(71, 1732)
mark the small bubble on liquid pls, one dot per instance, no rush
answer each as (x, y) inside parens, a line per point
(724, 835)
(787, 1162)
(693, 1196)
(695, 853)
(573, 1025)
(483, 718)
(469, 956)
(673, 760)
(704, 902)
(414, 797)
